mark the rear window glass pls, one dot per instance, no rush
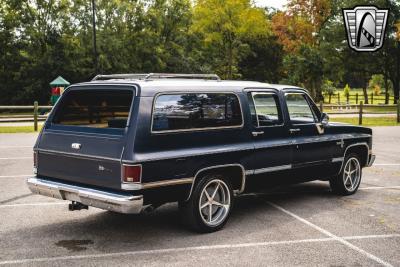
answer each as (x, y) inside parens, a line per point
(94, 108)
(174, 112)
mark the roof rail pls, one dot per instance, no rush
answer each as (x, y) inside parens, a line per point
(149, 76)
(182, 76)
(120, 76)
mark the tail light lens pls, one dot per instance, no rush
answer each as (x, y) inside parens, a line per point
(131, 173)
(35, 161)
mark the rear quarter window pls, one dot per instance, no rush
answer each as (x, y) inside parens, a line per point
(196, 111)
(91, 108)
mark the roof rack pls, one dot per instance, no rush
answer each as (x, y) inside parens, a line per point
(120, 76)
(150, 76)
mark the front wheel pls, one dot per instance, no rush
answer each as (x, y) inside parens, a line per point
(349, 178)
(210, 204)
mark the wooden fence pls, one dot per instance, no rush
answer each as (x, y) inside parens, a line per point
(357, 98)
(356, 109)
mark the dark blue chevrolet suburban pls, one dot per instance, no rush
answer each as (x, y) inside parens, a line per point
(131, 142)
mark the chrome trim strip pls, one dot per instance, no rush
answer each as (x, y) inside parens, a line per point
(194, 129)
(216, 167)
(249, 172)
(75, 155)
(87, 196)
(143, 186)
(338, 159)
(273, 169)
(168, 182)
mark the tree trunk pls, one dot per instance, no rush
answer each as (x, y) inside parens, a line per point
(365, 95)
(386, 89)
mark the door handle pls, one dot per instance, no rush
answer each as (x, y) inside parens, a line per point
(257, 133)
(295, 130)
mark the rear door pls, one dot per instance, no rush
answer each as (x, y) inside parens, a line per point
(273, 150)
(84, 137)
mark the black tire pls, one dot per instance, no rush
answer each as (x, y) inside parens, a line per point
(344, 185)
(194, 217)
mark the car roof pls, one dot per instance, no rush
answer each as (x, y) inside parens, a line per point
(157, 86)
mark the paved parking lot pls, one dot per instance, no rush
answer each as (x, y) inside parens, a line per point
(298, 225)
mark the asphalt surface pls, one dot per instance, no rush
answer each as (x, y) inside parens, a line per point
(298, 225)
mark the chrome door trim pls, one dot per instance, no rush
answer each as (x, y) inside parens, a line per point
(216, 167)
(340, 159)
(269, 169)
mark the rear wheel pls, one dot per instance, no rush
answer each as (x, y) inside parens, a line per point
(349, 178)
(210, 204)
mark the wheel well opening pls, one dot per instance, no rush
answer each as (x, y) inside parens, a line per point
(234, 174)
(361, 151)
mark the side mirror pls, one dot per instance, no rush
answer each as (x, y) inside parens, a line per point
(324, 118)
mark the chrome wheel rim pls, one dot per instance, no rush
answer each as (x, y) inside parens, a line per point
(351, 174)
(215, 202)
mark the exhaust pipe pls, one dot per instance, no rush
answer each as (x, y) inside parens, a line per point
(77, 206)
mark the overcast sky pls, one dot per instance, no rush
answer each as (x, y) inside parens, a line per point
(272, 3)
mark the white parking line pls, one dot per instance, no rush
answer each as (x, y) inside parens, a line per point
(379, 187)
(32, 204)
(195, 248)
(17, 175)
(16, 146)
(327, 233)
(386, 164)
(16, 158)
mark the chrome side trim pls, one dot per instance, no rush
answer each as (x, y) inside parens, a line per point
(91, 197)
(216, 167)
(195, 129)
(137, 186)
(249, 172)
(338, 159)
(273, 169)
(269, 169)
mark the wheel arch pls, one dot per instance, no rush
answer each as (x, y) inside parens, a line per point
(235, 172)
(361, 149)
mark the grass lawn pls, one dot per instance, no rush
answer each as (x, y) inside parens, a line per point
(17, 129)
(369, 121)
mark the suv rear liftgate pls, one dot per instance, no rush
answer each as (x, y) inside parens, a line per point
(82, 144)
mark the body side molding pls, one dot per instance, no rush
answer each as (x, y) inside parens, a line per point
(216, 167)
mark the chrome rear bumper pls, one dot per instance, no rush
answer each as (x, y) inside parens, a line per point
(371, 160)
(87, 196)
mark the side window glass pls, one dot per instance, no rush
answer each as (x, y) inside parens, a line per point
(174, 112)
(267, 110)
(299, 109)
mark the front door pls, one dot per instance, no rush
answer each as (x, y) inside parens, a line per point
(273, 149)
(312, 150)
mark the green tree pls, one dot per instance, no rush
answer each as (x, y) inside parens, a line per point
(224, 27)
(305, 69)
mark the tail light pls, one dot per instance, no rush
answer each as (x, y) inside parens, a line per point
(35, 161)
(131, 173)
